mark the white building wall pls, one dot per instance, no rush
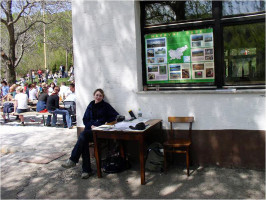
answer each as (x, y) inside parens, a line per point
(107, 50)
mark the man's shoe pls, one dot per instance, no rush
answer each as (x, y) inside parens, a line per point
(71, 127)
(22, 124)
(85, 175)
(48, 124)
(65, 126)
(68, 164)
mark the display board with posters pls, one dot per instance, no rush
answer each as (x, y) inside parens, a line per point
(180, 57)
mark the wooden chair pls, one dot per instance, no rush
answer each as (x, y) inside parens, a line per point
(175, 145)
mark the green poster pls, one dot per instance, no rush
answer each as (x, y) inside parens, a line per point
(180, 57)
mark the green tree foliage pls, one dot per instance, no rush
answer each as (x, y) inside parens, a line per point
(22, 33)
(58, 40)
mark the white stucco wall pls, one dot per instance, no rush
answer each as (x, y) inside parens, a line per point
(107, 50)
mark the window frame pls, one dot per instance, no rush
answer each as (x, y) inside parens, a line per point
(217, 22)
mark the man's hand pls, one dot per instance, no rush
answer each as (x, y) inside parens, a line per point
(92, 126)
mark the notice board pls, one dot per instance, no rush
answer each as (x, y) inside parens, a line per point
(180, 57)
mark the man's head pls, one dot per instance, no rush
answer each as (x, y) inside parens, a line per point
(72, 87)
(4, 83)
(56, 90)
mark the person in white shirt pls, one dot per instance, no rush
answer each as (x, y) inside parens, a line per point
(32, 92)
(64, 91)
(71, 96)
(21, 103)
(51, 88)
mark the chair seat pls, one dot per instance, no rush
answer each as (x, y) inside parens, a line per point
(177, 143)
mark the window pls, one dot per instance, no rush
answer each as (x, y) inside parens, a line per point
(244, 54)
(174, 11)
(235, 7)
(203, 44)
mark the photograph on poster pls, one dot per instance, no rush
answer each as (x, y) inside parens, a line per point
(197, 53)
(152, 68)
(185, 73)
(196, 37)
(208, 51)
(159, 42)
(210, 57)
(196, 44)
(161, 77)
(198, 74)
(160, 60)
(162, 69)
(150, 60)
(208, 38)
(175, 75)
(198, 66)
(209, 72)
(151, 76)
(150, 52)
(174, 67)
(160, 51)
(209, 65)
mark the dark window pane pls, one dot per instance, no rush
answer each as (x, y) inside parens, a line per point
(173, 11)
(244, 53)
(236, 7)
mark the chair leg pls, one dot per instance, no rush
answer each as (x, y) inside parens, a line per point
(187, 161)
(165, 161)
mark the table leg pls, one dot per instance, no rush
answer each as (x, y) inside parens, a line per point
(97, 157)
(43, 120)
(121, 148)
(141, 159)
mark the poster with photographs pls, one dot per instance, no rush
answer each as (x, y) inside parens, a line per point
(179, 71)
(157, 72)
(203, 70)
(180, 56)
(156, 51)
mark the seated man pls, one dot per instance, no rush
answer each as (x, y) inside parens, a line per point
(52, 106)
(71, 96)
(21, 103)
(70, 102)
(41, 105)
(64, 90)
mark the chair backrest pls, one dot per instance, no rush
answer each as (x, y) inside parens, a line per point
(189, 120)
(70, 106)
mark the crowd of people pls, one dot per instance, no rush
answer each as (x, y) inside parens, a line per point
(45, 75)
(47, 97)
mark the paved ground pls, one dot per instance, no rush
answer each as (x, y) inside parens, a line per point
(20, 180)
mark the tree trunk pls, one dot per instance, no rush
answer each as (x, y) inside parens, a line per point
(11, 74)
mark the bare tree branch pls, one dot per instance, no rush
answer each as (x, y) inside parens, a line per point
(4, 8)
(4, 21)
(22, 11)
(21, 55)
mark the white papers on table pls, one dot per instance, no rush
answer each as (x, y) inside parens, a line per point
(124, 125)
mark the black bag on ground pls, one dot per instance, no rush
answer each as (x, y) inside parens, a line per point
(8, 107)
(155, 158)
(115, 164)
